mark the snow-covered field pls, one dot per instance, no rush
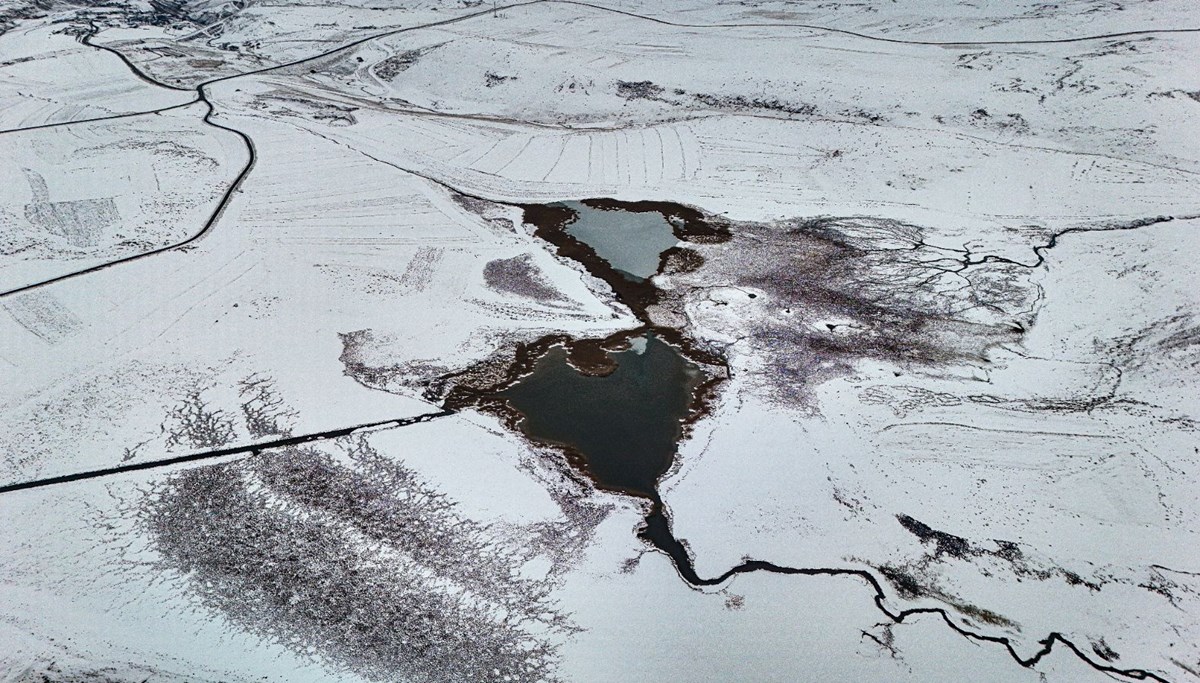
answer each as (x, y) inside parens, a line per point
(247, 248)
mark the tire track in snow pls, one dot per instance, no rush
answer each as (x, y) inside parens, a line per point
(250, 449)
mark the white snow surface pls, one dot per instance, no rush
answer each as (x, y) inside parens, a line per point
(297, 247)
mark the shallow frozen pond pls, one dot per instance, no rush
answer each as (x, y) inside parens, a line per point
(631, 242)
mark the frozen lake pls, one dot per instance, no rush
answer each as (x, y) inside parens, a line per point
(631, 242)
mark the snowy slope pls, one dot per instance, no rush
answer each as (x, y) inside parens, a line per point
(957, 307)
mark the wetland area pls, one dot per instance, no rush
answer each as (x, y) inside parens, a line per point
(452, 341)
(615, 407)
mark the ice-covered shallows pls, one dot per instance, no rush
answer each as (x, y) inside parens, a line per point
(631, 242)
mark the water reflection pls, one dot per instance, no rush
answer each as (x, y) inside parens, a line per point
(623, 426)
